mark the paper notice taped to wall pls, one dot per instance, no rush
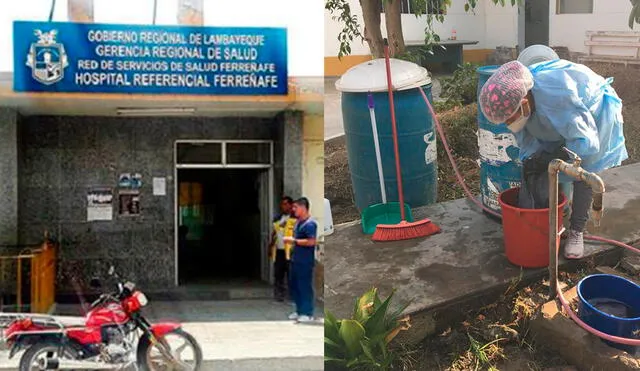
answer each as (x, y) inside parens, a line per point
(159, 186)
(100, 205)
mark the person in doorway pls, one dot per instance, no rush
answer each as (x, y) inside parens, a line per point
(280, 251)
(303, 261)
(552, 107)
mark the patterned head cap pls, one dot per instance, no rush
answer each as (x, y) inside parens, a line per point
(501, 95)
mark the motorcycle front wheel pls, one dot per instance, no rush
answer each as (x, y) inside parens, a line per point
(179, 342)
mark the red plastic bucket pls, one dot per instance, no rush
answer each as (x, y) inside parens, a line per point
(526, 231)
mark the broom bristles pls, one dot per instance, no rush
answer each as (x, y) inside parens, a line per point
(405, 230)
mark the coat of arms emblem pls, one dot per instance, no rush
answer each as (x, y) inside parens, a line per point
(47, 58)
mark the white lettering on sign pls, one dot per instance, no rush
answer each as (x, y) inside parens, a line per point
(248, 67)
(154, 37)
(201, 67)
(161, 66)
(104, 36)
(123, 51)
(177, 52)
(238, 54)
(246, 40)
(431, 152)
(177, 60)
(245, 81)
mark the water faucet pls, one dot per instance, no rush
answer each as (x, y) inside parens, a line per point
(574, 171)
(593, 181)
(576, 160)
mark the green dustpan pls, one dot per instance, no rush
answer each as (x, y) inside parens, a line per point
(388, 213)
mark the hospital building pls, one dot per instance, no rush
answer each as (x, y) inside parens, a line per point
(173, 186)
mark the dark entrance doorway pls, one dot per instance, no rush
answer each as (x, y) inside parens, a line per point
(536, 16)
(219, 225)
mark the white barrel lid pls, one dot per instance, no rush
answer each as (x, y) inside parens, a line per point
(371, 76)
(536, 54)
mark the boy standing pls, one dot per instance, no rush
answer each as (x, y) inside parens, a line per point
(279, 251)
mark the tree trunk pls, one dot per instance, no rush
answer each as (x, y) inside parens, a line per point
(393, 18)
(372, 20)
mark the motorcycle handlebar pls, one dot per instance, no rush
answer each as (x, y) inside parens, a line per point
(103, 298)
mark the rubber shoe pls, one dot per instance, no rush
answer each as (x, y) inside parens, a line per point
(293, 316)
(574, 248)
(303, 319)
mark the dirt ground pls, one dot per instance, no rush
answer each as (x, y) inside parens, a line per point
(495, 337)
(460, 124)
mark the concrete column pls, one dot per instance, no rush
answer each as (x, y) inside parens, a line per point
(8, 177)
(313, 182)
(313, 164)
(521, 28)
(80, 11)
(293, 153)
(191, 12)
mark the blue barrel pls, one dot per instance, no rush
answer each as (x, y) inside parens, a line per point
(610, 304)
(416, 142)
(500, 167)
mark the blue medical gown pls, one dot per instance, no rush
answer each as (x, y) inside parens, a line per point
(574, 104)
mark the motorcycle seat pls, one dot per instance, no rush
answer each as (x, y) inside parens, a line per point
(70, 321)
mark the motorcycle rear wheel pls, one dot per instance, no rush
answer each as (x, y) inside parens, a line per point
(145, 348)
(33, 353)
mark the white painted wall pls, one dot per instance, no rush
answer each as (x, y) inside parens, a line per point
(491, 25)
(501, 25)
(569, 29)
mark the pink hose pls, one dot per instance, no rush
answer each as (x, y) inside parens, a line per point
(565, 303)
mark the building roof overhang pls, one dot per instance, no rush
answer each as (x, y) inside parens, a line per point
(305, 94)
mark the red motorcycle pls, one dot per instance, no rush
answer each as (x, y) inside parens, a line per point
(113, 335)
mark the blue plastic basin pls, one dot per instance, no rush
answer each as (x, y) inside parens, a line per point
(610, 304)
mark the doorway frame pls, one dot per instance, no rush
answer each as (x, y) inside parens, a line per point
(224, 165)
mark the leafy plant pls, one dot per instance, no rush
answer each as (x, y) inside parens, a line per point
(445, 105)
(460, 124)
(485, 354)
(362, 341)
(350, 28)
(461, 88)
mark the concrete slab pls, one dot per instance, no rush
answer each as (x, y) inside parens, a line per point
(466, 260)
(237, 335)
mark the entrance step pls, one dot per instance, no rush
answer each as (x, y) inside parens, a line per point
(202, 292)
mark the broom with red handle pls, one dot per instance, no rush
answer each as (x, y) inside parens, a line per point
(404, 230)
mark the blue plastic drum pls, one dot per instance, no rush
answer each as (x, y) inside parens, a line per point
(416, 134)
(500, 167)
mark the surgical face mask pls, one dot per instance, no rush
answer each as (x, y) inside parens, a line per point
(518, 125)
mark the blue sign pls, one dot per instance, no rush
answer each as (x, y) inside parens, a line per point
(107, 58)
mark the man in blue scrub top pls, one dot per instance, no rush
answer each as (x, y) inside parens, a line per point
(303, 261)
